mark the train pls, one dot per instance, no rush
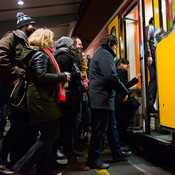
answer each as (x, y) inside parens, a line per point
(129, 23)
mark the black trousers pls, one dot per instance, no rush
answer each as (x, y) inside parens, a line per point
(39, 152)
(19, 138)
(152, 88)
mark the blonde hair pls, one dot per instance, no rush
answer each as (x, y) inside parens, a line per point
(42, 37)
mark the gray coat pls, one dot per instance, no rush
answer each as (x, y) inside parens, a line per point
(104, 81)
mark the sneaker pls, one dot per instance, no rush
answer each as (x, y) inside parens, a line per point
(121, 156)
(74, 165)
(133, 127)
(8, 171)
(97, 164)
(60, 154)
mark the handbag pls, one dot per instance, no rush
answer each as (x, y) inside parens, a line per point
(130, 104)
(18, 96)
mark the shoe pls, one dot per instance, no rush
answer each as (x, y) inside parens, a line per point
(54, 165)
(133, 127)
(8, 171)
(120, 157)
(59, 154)
(74, 165)
(4, 165)
(97, 164)
(78, 153)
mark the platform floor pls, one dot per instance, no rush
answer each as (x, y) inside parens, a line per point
(133, 165)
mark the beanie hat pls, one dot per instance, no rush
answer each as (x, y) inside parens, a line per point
(64, 41)
(23, 20)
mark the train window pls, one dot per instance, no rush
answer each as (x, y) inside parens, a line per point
(168, 11)
(113, 31)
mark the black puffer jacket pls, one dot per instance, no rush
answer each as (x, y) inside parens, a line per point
(104, 80)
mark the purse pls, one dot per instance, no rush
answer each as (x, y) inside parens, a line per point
(130, 104)
(18, 96)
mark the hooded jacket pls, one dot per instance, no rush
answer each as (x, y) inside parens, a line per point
(66, 59)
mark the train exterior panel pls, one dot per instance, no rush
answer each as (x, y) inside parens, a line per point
(165, 74)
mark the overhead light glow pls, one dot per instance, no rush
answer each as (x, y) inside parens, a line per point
(20, 2)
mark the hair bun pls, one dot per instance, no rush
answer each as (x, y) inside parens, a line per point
(19, 14)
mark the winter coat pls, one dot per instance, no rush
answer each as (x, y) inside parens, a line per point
(73, 91)
(124, 108)
(42, 86)
(11, 67)
(122, 73)
(104, 80)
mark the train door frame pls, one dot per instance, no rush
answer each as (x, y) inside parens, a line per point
(127, 9)
(124, 20)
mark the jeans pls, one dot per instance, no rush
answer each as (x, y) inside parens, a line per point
(103, 121)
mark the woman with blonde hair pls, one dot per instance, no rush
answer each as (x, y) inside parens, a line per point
(45, 90)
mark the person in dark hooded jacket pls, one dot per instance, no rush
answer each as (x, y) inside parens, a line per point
(104, 82)
(66, 58)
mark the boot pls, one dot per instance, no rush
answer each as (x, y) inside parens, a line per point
(74, 165)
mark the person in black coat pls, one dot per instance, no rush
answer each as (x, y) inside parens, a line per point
(66, 58)
(126, 112)
(151, 60)
(104, 82)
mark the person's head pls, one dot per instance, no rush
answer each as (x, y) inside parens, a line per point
(64, 42)
(151, 21)
(25, 23)
(124, 63)
(84, 58)
(42, 37)
(77, 44)
(111, 41)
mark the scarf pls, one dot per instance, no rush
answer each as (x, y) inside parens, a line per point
(60, 86)
(120, 67)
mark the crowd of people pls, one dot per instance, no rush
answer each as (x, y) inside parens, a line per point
(63, 97)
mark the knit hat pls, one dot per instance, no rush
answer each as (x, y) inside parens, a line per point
(64, 41)
(23, 20)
